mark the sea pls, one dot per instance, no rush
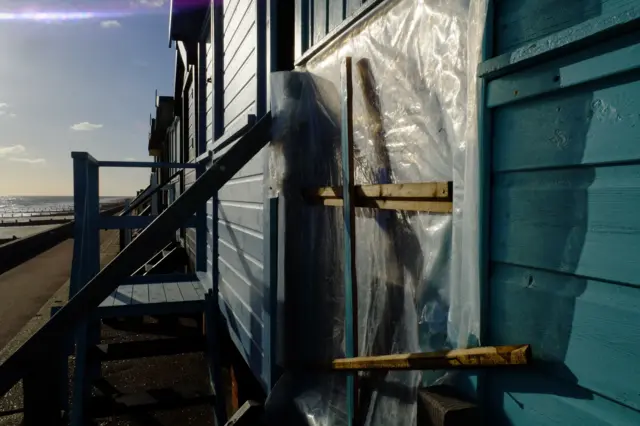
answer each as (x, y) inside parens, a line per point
(25, 207)
(12, 206)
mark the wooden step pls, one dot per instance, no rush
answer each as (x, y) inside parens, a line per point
(147, 348)
(152, 400)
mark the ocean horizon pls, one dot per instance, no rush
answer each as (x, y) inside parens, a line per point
(12, 204)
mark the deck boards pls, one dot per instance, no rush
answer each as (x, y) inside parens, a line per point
(154, 298)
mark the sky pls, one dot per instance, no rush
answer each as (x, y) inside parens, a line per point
(79, 75)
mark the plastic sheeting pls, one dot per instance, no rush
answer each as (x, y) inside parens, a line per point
(415, 120)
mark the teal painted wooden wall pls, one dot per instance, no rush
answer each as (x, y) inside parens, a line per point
(564, 232)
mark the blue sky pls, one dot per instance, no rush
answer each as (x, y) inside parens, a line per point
(79, 75)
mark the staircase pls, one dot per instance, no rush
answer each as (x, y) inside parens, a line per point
(42, 361)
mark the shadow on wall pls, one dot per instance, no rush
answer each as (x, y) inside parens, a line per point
(253, 352)
(539, 220)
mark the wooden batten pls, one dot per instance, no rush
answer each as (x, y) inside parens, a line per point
(490, 356)
(433, 197)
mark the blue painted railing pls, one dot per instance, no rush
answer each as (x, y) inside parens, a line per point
(101, 284)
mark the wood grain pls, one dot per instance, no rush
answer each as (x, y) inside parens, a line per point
(489, 356)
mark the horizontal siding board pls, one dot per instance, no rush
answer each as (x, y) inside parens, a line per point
(520, 21)
(250, 242)
(335, 14)
(243, 65)
(241, 103)
(319, 19)
(249, 268)
(583, 331)
(247, 347)
(248, 189)
(250, 319)
(241, 215)
(581, 221)
(589, 127)
(238, 25)
(239, 50)
(534, 399)
(229, 8)
(209, 130)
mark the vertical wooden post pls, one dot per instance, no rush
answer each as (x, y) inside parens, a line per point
(350, 281)
(87, 265)
(201, 232)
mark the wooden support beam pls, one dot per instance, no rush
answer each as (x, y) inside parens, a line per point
(434, 197)
(421, 190)
(490, 356)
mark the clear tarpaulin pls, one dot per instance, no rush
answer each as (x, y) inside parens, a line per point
(414, 120)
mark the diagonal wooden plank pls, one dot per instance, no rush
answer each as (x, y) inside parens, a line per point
(187, 290)
(140, 294)
(122, 295)
(173, 292)
(156, 293)
(141, 248)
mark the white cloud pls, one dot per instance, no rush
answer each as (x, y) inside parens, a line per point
(11, 150)
(3, 104)
(129, 159)
(85, 126)
(28, 160)
(110, 24)
(13, 115)
(151, 3)
(15, 153)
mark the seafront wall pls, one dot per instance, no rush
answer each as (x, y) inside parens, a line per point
(16, 252)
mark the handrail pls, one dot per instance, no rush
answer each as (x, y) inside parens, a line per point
(38, 346)
(134, 204)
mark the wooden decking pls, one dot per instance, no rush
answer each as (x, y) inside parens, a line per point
(154, 298)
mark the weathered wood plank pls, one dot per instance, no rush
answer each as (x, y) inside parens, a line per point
(491, 356)
(172, 291)
(528, 398)
(412, 190)
(187, 291)
(156, 293)
(432, 197)
(443, 207)
(582, 221)
(140, 294)
(585, 331)
(521, 21)
(578, 128)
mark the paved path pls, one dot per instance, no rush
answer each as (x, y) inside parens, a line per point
(27, 287)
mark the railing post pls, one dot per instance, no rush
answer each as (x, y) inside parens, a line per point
(86, 191)
(154, 197)
(201, 232)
